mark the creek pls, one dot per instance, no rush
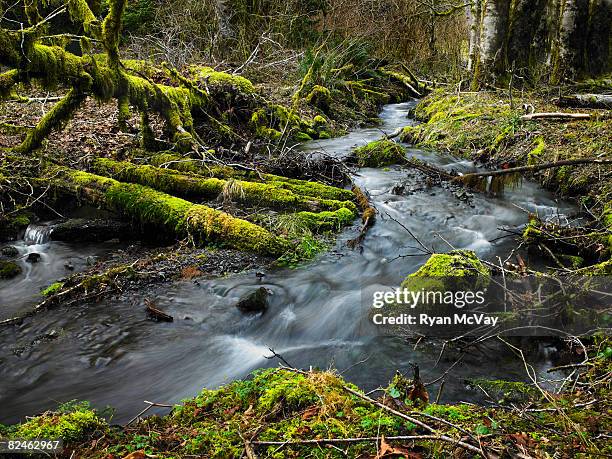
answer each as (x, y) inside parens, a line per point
(110, 354)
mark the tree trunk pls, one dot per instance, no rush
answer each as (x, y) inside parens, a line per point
(572, 40)
(493, 36)
(598, 59)
(156, 211)
(475, 16)
(192, 186)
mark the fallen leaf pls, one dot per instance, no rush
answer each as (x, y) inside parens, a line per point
(140, 454)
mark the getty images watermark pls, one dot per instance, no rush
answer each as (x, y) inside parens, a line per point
(392, 304)
(521, 306)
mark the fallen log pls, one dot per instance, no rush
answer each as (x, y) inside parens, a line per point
(155, 211)
(586, 101)
(205, 169)
(193, 186)
(496, 180)
(368, 216)
(556, 116)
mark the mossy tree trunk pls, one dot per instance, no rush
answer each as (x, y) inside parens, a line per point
(156, 212)
(22, 50)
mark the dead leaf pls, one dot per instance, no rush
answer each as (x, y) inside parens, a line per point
(310, 412)
(386, 450)
(190, 272)
(140, 454)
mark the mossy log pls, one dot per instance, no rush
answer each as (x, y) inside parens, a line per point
(297, 186)
(380, 153)
(252, 193)
(160, 211)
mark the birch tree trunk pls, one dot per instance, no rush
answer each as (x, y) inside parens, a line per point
(493, 36)
(475, 17)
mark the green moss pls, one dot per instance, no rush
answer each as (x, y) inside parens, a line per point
(327, 221)
(319, 97)
(380, 153)
(459, 269)
(73, 426)
(9, 269)
(222, 79)
(152, 208)
(11, 225)
(52, 289)
(537, 151)
(506, 391)
(252, 193)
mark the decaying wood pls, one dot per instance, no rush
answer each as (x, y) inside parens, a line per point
(586, 101)
(368, 216)
(556, 116)
(534, 168)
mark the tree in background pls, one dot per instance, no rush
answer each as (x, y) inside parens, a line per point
(541, 40)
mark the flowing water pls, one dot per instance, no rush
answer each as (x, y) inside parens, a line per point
(110, 354)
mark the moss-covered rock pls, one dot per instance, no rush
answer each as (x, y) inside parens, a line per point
(456, 270)
(380, 153)
(9, 269)
(11, 226)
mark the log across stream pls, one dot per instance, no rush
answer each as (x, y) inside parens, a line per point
(110, 354)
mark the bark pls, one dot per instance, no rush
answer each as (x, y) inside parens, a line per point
(192, 186)
(572, 40)
(493, 37)
(598, 59)
(525, 25)
(586, 101)
(159, 212)
(475, 13)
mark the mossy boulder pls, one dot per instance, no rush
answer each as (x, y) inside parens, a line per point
(11, 226)
(456, 270)
(9, 269)
(380, 153)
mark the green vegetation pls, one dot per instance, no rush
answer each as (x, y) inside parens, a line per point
(52, 289)
(456, 270)
(9, 269)
(287, 406)
(380, 153)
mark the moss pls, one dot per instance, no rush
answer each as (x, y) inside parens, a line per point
(537, 151)
(327, 221)
(10, 226)
(210, 76)
(52, 289)
(73, 426)
(380, 153)
(60, 113)
(319, 97)
(9, 269)
(506, 391)
(297, 186)
(153, 209)
(302, 137)
(456, 270)
(253, 193)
